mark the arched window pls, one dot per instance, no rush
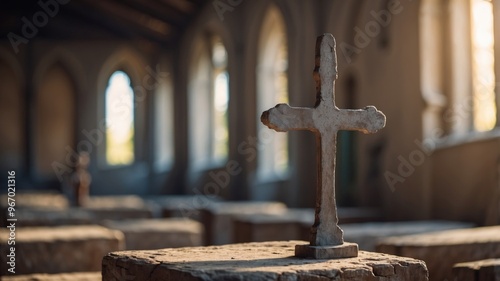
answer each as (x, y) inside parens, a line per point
(457, 60)
(208, 105)
(164, 125)
(483, 65)
(119, 114)
(272, 88)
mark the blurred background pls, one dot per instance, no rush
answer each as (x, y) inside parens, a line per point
(165, 97)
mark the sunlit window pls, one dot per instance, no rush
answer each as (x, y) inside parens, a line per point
(483, 65)
(220, 102)
(208, 106)
(164, 125)
(119, 120)
(272, 75)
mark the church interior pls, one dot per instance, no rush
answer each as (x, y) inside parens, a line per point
(125, 115)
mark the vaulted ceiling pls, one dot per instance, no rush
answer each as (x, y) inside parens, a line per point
(160, 21)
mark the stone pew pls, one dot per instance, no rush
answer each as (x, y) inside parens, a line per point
(369, 234)
(218, 218)
(293, 224)
(442, 250)
(483, 270)
(184, 206)
(272, 227)
(59, 249)
(148, 234)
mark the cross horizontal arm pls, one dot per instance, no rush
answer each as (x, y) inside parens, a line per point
(368, 120)
(284, 118)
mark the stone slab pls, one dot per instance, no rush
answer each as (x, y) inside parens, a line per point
(368, 235)
(60, 249)
(256, 261)
(148, 234)
(442, 250)
(218, 218)
(79, 276)
(483, 270)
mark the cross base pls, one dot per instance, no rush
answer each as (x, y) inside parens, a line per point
(346, 250)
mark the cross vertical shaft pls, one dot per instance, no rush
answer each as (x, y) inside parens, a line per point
(325, 230)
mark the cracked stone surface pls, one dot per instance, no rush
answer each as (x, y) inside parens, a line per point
(255, 261)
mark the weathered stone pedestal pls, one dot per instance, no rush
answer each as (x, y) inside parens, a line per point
(265, 261)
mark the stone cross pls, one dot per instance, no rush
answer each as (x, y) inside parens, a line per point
(325, 119)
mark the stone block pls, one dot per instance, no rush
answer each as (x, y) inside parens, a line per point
(368, 235)
(148, 234)
(442, 250)
(78, 276)
(266, 261)
(218, 218)
(60, 249)
(483, 270)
